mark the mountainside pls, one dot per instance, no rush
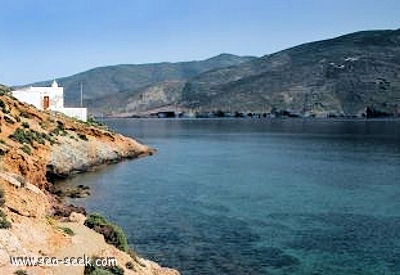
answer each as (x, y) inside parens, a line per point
(108, 82)
(348, 75)
(356, 74)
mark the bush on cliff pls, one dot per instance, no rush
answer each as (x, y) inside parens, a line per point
(94, 269)
(2, 197)
(26, 149)
(112, 233)
(28, 136)
(4, 223)
(83, 137)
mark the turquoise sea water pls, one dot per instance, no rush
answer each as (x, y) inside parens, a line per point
(258, 196)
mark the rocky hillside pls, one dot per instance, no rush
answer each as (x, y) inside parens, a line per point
(351, 75)
(37, 147)
(106, 89)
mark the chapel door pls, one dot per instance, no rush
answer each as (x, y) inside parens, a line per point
(46, 102)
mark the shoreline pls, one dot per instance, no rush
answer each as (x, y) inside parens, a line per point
(104, 118)
(38, 147)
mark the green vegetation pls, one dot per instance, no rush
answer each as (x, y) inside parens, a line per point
(21, 272)
(51, 221)
(4, 90)
(67, 231)
(92, 122)
(25, 124)
(9, 120)
(24, 114)
(22, 136)
(42, 125)
(83, 137)
(4, 223)
(112, 233)
(26, 149)
(28, 136)
(59, 130)
(3, 106)
(93, 269)
(2, 197)
(129, 265)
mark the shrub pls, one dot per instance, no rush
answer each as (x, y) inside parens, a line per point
(3, 107)
(82, 137)
(67, 231)
(4, 90)
(24, 114)
(129, 265)
(59, 130)
(9, 119)
(2, 197)
(29, 136)
(4, 223)
(25, 124)
(112, 233)
(92, 122)
(2, 104)
(21, 272)
(21, 136)
(26, 149)
(51, 221)
(93, 269)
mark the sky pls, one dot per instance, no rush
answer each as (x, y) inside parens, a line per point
(46, 39)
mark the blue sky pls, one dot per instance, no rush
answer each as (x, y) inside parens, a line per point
(42, 39)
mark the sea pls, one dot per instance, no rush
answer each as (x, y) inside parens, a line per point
(257, 196)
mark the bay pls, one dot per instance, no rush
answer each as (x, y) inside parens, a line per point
(257, 196)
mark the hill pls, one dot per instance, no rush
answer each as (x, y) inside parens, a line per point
(350, 75)
(357, 74)
(108, 82)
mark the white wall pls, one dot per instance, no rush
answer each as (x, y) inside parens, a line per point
(28, 97)
(35, 96)
(79, 113)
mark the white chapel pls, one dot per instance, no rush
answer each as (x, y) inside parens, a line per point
(49, 98)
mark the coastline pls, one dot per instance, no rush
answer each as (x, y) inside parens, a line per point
(37, 148)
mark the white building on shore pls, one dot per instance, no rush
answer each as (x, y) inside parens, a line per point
(49, 98)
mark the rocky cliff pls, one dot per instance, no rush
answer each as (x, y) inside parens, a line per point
(37, 147)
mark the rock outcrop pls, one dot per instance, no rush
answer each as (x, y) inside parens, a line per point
(35, 148)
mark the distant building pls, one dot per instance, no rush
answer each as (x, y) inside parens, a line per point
(49, 98)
